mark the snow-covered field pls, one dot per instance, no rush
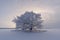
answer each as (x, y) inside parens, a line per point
(12, 34)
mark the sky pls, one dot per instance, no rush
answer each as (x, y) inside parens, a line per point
(49, 10)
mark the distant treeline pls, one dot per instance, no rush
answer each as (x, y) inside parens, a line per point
(7, 28)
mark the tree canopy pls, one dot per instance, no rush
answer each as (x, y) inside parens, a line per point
(28, 20)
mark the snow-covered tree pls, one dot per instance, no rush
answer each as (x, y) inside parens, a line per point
(28, 21)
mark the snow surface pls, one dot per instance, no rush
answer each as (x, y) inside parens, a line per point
(12, 34)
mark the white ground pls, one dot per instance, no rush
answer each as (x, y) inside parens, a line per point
(11, 34)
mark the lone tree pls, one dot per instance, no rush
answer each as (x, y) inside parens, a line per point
(28, 21)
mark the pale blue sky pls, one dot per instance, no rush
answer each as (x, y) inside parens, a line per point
(50, 10)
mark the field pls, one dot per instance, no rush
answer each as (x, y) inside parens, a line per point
(12, 34)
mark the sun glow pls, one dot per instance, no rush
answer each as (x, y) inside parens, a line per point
(44, 14)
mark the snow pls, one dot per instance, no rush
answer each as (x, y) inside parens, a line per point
(12, 34)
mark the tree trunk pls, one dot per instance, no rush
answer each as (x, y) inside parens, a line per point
(31, 29)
